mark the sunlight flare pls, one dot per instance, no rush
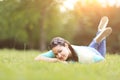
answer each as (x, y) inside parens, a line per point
(68, 5)
(109, 2)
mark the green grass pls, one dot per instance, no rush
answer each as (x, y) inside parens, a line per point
(20, 65)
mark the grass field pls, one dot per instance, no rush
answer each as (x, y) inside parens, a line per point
(20, 65)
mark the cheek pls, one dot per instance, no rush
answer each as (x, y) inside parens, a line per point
(66, 52)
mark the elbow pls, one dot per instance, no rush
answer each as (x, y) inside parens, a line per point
(38, 58)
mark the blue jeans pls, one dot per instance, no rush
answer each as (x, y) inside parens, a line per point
(100, 47)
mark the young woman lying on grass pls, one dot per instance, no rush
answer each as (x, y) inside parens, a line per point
(63, 51)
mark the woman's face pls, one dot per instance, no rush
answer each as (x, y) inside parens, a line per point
(61, 52)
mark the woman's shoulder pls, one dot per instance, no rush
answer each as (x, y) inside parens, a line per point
(49, 54)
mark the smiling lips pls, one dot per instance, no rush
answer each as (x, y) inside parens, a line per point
(61, 57)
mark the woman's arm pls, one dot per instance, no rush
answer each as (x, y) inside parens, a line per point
(47, 59)
(47, 56)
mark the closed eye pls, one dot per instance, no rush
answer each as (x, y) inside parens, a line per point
(59, 51)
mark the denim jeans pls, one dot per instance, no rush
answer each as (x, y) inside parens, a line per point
(100, 47)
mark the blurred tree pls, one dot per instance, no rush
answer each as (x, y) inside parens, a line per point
(11, 28)
(32, 23)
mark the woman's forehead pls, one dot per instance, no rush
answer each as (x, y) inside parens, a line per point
(57, 47)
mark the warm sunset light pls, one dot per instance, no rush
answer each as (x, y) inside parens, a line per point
(109, 2)
(69, 4)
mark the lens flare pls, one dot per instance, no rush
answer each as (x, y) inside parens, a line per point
(68, 5)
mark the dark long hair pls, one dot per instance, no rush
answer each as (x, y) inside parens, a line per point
(60, 41)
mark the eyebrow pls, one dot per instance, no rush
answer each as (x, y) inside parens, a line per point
(57, 51)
